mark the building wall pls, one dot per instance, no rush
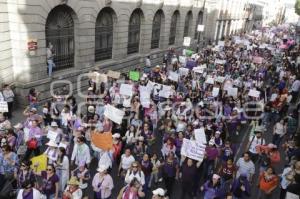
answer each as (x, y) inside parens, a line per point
(23, 20)
(26, 19)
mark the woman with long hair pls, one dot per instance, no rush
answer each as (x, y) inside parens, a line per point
(63, 168)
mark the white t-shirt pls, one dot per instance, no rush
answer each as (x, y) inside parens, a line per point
(126, 161)
(254, 143)
(279, 129)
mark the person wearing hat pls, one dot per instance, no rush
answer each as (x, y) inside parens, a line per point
(254, 142)
(158, 193)
(55, 131)
(102, 183)
(52, 151)
(72, 191)
(28, 191)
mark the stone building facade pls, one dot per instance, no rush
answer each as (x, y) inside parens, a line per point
(96, 34)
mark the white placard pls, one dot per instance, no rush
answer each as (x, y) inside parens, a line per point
(200, 136)
(51, 135)
(166, 91)
(210, 80)
(3, 107)
(198, 69)
(273, 97)
(126, 89)
(186, 41)
(254, 93)
(290, 195)
(220, 79)
(150, 85)
(200, 28)
(183, 71)
(227, 85)
(101, 78)
(193, 150)
(173, 76)
(215, 91)
(220, 61)
(144, 96)
(221, 43)
(232, 91)
(182, 60)
(114, 114)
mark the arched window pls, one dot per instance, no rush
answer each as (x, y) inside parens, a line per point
(174, 22)
(187, 24)
(60, 33)
(134, 30)
(156, 29)
(104, 35)
(199, 22)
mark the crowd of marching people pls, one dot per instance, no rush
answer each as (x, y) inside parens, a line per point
(244, 86)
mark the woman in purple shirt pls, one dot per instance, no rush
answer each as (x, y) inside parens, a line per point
(211, 155)
(50, 182)
(213, 188)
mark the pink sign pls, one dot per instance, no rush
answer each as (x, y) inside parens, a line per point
(258, 60)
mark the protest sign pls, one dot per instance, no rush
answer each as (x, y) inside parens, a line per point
(210, 80)
(51, 135)
(193, 150)
(134, 75)
(165, 92)
(215, 91)
(126, 89)
(254, 93)
(221, 43)
(145, 96)
(186, 41)
(103, 141)
(101, 78)
(173, 76)
(220, 61)
(227, 84)
(273, 97)
(200, 28)
(220, 79)
(232, 91)
(189, 53)
(257, 60)
(182, 60)
(200, 136)
(114, 114)
(113, 74)
(39, 163)
(183, 71)
(290, 195)
(3, 107)
(198, 69)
